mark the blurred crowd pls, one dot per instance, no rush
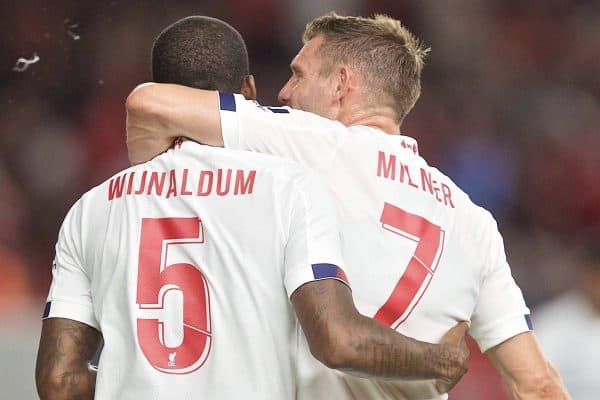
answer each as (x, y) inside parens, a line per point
(510, 110)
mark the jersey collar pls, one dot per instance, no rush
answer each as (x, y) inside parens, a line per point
(406, 142)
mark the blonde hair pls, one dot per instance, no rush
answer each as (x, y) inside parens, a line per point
(383, 51)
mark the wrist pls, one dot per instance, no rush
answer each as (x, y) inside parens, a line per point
(445, 361)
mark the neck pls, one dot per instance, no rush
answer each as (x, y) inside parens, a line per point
(384, 124)
(379, 117)
(374, 119)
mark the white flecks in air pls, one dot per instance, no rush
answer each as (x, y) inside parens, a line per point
(74, 36)
(24, 63)
(71, 27)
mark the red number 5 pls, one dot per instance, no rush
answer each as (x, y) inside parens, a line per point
(173, 324)
(421, 267)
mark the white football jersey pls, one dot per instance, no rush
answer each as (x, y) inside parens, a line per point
(185, 264)
(420, 255)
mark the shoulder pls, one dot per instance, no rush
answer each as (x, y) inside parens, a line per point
(475, 221)
(237, 103)
(473, 215)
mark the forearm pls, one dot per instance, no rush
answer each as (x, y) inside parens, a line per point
(343, 339)
(353, 343)
(525, 370)
(376, 350)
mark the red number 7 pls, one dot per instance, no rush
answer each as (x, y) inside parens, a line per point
(421, 267)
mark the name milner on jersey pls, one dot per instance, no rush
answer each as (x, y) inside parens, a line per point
(175, 182)
(389, 167)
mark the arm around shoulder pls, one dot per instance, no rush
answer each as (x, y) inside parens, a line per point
(525, 370)
(341, 338)
(337, 334)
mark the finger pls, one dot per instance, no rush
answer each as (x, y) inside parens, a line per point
(443, 386)
(456, 334)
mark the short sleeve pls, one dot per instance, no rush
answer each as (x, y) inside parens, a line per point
(501, 312)
(304, 137)
(312, 251)
(70, 290)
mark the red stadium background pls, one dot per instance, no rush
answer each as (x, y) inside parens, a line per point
(510, 110)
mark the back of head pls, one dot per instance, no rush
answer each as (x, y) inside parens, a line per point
(388, 57)
(200, 52)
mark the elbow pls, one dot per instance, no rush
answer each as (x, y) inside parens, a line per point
(137, 99)
(47, 384)
(335, 358)
(543, 386)
(333, 348)
(66, 384)
(144, 102)
(551, 387)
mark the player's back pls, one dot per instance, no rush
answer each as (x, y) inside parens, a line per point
(185, 255)
(399, 216)
(420, 255)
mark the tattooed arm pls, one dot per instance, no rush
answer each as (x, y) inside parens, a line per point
(343, 339)
(62, 370)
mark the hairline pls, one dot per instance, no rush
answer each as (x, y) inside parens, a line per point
(333, 38)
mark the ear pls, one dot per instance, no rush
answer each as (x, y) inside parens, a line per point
(249, 88)
(343, 82)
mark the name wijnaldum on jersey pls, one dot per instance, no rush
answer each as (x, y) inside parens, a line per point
(183, 182)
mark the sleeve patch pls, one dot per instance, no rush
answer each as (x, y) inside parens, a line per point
(47, 309)
(528, 321)
(227, 102)
(324, 271)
